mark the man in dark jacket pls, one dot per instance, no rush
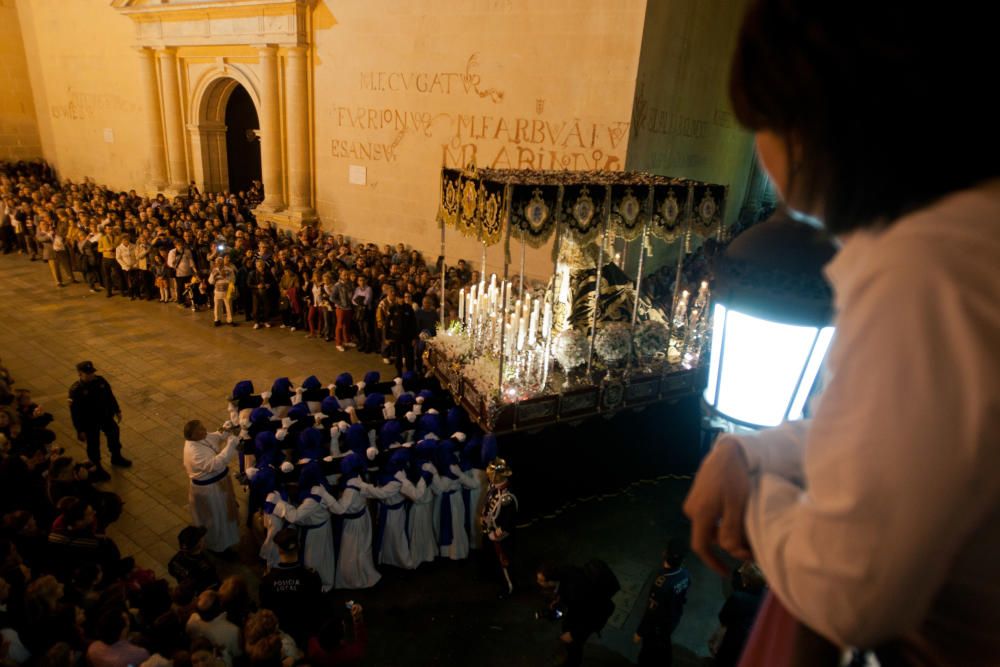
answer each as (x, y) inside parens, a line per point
(400, 332)
(94, 409)
(664, 608)
(291, 590)
(581, 604)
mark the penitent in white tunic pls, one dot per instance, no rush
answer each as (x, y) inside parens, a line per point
(355, 566)
(449, 490)
(395, 547)
(423, 542)
(204, 461)
(313, 519)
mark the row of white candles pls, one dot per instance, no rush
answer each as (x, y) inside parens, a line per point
(487, 315)
(481, 303)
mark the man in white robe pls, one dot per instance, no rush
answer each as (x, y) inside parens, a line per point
(211, 498)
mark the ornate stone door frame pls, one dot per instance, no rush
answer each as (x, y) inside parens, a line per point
(193, 53)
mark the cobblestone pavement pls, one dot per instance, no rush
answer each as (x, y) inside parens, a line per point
(168, 365)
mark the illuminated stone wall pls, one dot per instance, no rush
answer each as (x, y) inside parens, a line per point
(18, 127)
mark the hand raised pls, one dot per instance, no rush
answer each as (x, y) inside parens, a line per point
(716, 505)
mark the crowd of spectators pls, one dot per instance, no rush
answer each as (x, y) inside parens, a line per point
(69, 597)
(206, 251)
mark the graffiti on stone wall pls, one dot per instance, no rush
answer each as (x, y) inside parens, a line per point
(648, 118)
(84, 106)
(467, 82)
(494, 140)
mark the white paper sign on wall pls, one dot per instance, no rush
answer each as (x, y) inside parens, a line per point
(357, 175)
(109, 135)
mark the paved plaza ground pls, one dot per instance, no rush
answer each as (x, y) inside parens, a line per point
(168, 365)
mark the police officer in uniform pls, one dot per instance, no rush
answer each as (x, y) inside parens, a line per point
(499, 518)
(94, 408)
(665, 607)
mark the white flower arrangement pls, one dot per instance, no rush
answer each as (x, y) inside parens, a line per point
(651, 338)
(613, 341)
(453, 347)
(570, 349)
(483, 373)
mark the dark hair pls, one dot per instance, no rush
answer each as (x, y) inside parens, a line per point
(675, 552)
(878, 109)
(110, 625)
(190, 427)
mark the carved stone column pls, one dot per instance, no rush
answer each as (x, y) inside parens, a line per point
(173, 119)
(297, 132)
(154, 128)
(270, 130)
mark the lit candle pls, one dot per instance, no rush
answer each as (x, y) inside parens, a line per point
(533, 323)
(547, 320)
(461, 305)
(521, 331)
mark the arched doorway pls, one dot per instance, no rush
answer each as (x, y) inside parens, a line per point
(242, 140)
(226, 139)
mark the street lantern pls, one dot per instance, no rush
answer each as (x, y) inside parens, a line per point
(771, 322)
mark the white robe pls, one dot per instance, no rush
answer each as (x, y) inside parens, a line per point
(355, 566)
(459, 547)
(210, 504)
(318, 553)
(395, 547)
(477, 499)
(423, 543)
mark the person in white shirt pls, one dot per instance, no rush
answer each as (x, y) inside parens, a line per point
(213, 504)
(125, 255)
(210, 621)
(223, 277)
(877, 521)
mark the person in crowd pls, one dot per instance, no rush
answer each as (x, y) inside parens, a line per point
(95, 410)
(181, 261)
(74, 540)
(213, 504)
(209, 621)
(125, 255)
(260, 281)
(400, 332)
(223, 281)
(914, 362)
(190, 565)
(343, 304)
(46, 239)
(664, 607)
(334, 646)
(291, 590)
(111, 273)
(113, 648)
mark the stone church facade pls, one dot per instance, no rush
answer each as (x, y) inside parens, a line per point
(358, 103)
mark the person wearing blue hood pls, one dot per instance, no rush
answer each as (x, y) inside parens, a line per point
(449, 508)
(312, 392)
(279, 399)
(313, 520)
(355, 568)
(242, 402)
(423, 543)
(392, 547)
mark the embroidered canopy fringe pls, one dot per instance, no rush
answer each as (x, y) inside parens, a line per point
(473, 201)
